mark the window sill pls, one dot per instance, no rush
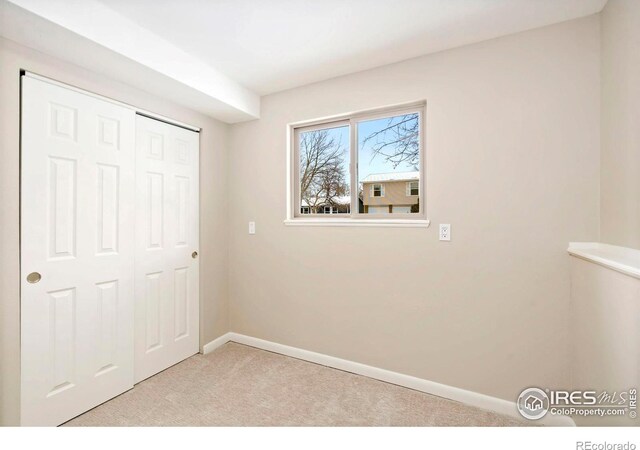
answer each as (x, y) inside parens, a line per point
(398, 223)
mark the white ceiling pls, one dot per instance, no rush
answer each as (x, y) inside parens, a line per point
(271, 45)
(219, 56)
(89, 34)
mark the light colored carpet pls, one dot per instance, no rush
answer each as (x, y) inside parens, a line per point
(238, 385)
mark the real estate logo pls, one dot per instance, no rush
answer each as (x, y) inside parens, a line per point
(533, 403)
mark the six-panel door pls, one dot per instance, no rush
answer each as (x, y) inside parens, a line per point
(166, 280)
(77, 252)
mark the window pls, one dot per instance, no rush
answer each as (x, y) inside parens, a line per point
(323, 167)
(388, 154)
(359, 166)
(413, 188)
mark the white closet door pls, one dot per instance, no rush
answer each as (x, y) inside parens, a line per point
(166, 285)
(77, 252)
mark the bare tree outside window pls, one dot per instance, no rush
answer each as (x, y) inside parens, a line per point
(324, 168)
(397, 143)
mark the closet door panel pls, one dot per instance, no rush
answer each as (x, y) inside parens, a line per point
(167, 306)
(77, 251)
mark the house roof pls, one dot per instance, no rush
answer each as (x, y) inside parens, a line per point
(391, 176)
(342, 200)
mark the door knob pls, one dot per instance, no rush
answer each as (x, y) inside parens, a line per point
(34, 277)
(194, 255)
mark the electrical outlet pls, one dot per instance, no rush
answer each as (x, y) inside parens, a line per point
(252, 228)
(445, 232)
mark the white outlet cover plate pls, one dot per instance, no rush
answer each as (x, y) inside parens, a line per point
(445, 232)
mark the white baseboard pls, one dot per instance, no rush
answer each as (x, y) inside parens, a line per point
(211, 346)
(482, 401)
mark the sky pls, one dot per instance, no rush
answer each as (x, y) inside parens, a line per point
(367, 163)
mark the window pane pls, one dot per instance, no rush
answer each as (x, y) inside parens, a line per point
(389, 156)
(324, 171)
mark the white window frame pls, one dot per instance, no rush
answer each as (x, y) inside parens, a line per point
(303, 208)
(354, 217)
(373, 190)
(408, 188)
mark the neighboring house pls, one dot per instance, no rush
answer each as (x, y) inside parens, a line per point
(396, 192)
(334, 205)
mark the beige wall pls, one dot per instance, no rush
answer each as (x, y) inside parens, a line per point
(512, 163)
(213, 204)
(605, 318)
(512, 145)
(395, 193)
(620, 191)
